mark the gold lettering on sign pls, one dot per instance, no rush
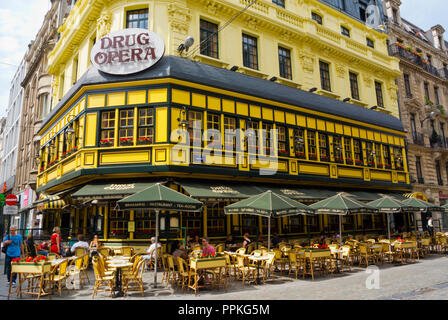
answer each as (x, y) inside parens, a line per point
(289, 192)
(223, 189)
(120, 187)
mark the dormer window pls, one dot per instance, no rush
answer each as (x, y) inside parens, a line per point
(316, 17)
(345, 31)
(370, 43)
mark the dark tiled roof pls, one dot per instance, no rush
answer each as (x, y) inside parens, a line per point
(184, 69)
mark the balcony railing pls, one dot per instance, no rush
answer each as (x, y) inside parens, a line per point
(415, 59)
(419, 139)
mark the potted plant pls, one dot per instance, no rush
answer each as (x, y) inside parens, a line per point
(126, 141)
(283, 152)
(388, 166)
(324, 158)
(301, 155)
(371, 163)
(441, 109)
(106, 142)
(428, 102)
(359, 163)
(144, 141)
(349, 161)
(339, 160)
(313, 156)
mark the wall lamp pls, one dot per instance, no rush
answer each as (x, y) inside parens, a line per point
(374, 107)
(273, 79)
(431, 116)
(346, 100)
(313, 90)
(234, 68)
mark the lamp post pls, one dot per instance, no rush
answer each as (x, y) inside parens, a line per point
(431, 116)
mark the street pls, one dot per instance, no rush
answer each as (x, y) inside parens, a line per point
(425, 280)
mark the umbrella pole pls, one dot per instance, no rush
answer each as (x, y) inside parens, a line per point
(157, 249)
(388, 230)
(269, 234)
(340, 230)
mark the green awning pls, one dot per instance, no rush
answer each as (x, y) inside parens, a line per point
(390, 205)
(159, 197)
(219, 191)
(342, 205)
(110, 190)
(423, 205)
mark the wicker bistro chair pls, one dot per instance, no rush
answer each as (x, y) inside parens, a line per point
(240, 251)
(183, 272)
(105, 252)
(280, 260)
(53, 256)
(101, 279)
(75, 269)
(346, 257)
(295, 264)
(245, 272)
(81, 251)
(268, 266)
(231, 266)
(58, 276)
(220, 248)
(426, 245)
(171, 270)
(365, 255)
(127, 251)
(136, 277)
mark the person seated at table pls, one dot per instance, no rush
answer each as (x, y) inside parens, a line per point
(80, 244)
(43, 248)
(276, 240)
(94, 245)
(207, 248)
(246, 241)
(230, 244)
(180, 251)
(152, 250)
(196, 242)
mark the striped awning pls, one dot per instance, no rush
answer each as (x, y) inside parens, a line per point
(416, 195)
(51, 202)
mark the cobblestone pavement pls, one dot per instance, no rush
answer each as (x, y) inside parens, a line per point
(426, 279)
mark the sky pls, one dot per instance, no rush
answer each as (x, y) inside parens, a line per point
(20, 20)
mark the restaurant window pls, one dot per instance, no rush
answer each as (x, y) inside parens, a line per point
(249, 224)
(213, 123)
(209, 39)
(333, 223)
(250, 52)
(378, 219)
(386, 154)
(348, 150)
(370, 43)
(126, 130)
(145, 224)
(312, 223)
(398, 158)
(316, 17)
(407, 85)
(192, 221)
(264, 227)
(284, 58)
(323, 147)
(379, 158)
(282, 149)
(229, 124)
(357, 149)
(118, 222)
(107, 128)
(195, 123)
(267, 127)
(348, 223)
(295, 224)
(338, 149)
(312, 147)
(379, 94)
(299, 143)
(345, 31)
(354, 85)
(137, 19)
(145, 126)
(325, 75)
(370, 152)
(367, 220)
(216, 220)
(254, 125)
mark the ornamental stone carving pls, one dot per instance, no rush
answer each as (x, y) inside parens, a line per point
(252, 23)
(340, 71)
(103, 24)
(212, 8)
(367, 81)
(179, 18)
(307, 63)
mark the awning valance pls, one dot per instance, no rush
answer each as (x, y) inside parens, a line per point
(110, 190)
(50, 202)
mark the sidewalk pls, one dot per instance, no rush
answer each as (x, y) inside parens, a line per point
(426, 279)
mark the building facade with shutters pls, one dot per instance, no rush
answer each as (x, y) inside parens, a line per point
(312, 70)
(423, 96)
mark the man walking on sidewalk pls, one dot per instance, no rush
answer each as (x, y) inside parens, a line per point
(14, 242)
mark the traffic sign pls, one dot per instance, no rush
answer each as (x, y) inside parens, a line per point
(11, 200)
(10, 210)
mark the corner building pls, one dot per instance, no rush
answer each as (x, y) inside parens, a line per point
(109, 136)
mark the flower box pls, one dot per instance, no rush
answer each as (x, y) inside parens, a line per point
(207, 263)
(313, 156)
(144, 141)
(36, 265)
(388, 166)
(324, 158)
(371, 164)
(348, 161)
(359, 163)
(106, 142)
(339, 160)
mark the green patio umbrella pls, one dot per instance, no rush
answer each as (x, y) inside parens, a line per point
(268, 204)
(390, 205)
(342, 205)
(422, 205)
(159, 197)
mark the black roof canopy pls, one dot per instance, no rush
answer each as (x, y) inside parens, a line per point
(200, 73)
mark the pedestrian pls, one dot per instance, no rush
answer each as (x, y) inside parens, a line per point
(14, 242)
(94, 245)
(56, 241)
(431, 227)
(30, 245)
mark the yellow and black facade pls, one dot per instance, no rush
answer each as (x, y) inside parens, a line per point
(109, 136)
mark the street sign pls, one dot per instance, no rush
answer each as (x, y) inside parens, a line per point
(11, 200)
(10, 210)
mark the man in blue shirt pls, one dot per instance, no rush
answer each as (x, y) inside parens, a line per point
(14, 242)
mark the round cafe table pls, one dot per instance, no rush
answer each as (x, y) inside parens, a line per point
(118, 265)
(258, 259)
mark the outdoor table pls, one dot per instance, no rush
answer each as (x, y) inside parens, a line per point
(311, 254)
(37, 269)
(258, 260)
(202, 265)
(118, 265)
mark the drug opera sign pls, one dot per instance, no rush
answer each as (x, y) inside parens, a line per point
(127, 51)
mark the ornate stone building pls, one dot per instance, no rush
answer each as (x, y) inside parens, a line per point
(423, 96)
(36, 105)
